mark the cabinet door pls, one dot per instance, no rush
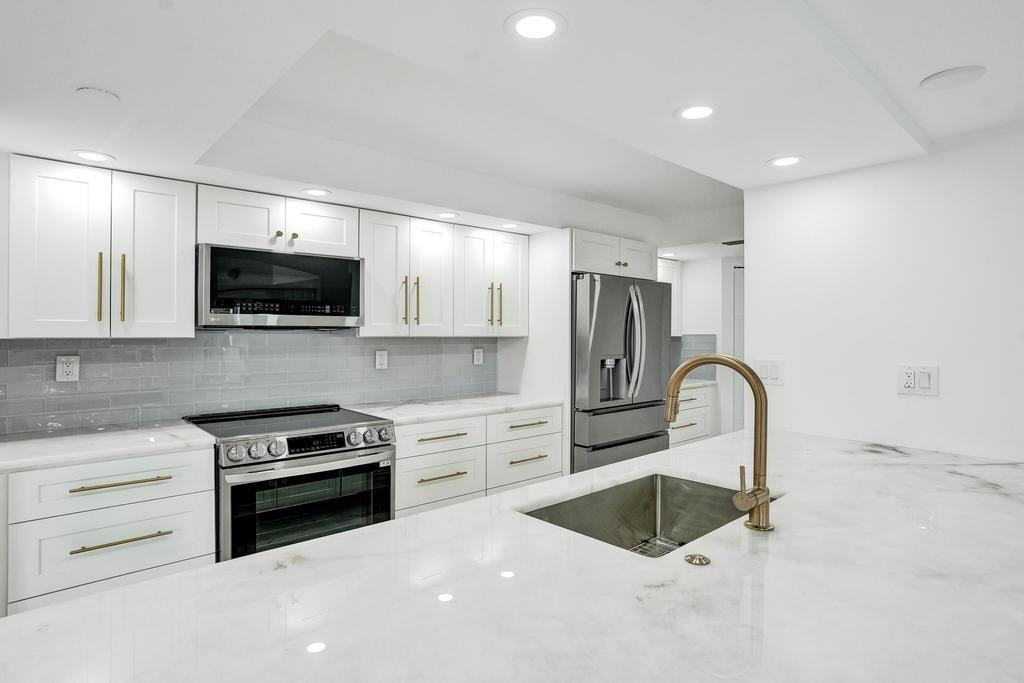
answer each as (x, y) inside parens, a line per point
(668, 272)
(318, 228)
(430, 269)
(512, 282)
(595, 253)
(59, 249)
(474, 303)
(384, 246)
(241, 219)
(152, 269)
(639, 259)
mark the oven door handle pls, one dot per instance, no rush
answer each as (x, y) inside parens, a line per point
(295, 469)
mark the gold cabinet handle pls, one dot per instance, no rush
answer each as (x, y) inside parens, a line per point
(538, 423)
(501, 304)
(133, 539)
(405, 299)
(115, 484)
(124, 258)
(688, 424)
(490, 296)
(417, 283)
(618, 263)
(295, 235)
(443, 476)
(456, 435)
(625, 264)
(279, 233)
(99, 286)
(687, 400)
(536, 457)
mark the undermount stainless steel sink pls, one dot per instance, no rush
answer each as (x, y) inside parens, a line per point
(651, 516)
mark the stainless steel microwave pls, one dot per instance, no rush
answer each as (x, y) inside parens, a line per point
(239, 287)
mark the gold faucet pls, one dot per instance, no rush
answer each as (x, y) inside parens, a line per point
(753, 501)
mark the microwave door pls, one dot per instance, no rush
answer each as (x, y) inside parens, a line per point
(602, 353)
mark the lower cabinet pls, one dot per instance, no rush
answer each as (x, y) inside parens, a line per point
(449, 461)
(695, 415)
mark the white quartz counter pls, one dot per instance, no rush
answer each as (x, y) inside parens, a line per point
(416, 411)
(35, 450)
(886, 565)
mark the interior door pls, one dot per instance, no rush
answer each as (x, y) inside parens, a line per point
(319, 228)
(241, 219)
(655, 300)
(384, 246)
(152, 269)
(474, 303)
(601, 306)
(60, 249)
(512, 280)
(430, 270)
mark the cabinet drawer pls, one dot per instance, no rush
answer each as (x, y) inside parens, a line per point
(438, 504)
(77, 488)
(108, 584)
(429, 478)
(514, 461)
(443, 435)
(694, 398)
(520, 484)
(691, 424)
(51, 554)
(522, 423)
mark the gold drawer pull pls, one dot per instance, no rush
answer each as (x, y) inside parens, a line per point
(538, 423)
(99, 286)
(688, 424)
(443, 476)
(131, 482)
(134, 539)
(405, 298)
(124, 258)
(456, 435)
(536, 457)
(686, 400)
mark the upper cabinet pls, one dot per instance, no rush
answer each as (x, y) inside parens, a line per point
(491, 283)
(260, 221)
(596, 253)
(670, 272)
(95, 253)
(430, 275)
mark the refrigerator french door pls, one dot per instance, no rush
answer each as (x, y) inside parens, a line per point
(621, 334)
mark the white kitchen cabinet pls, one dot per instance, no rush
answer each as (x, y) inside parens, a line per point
(59, 249)
(430, 274)
(669, 272)
(596, 253)
(384, 246)
(153, 237)
(254, 220)
(491, 277)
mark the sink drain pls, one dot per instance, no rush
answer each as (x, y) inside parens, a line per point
(698, 559)
(655, 546)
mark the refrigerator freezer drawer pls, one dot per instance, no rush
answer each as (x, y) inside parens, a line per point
(599, 427)
(588, 458)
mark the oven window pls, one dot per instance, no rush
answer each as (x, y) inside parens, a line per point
(271, 514)
(244, 281)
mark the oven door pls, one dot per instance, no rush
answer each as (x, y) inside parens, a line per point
(262, 288)
(270, 505)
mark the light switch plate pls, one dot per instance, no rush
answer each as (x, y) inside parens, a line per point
(478, 356)
(68, 368)
(771, 371)
(380, 360)
(917, 380)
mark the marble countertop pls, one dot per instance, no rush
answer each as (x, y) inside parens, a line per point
(887, 564)
(36, 450)
(429, 410)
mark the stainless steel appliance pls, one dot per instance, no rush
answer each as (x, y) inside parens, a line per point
(621, 331)
(292, 474)
(263, 288)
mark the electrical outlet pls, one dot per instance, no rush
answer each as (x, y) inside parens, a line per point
(908, 379)
(67, 368)
(478, 356)
(381, 360)
(918, 380)
(771, 371)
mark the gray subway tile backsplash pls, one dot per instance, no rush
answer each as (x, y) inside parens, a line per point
(690, 345)
(126, 381)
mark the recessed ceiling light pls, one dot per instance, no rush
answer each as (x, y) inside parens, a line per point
(509, 226)
(956, 77)
(97, 94)
(91, 156)
(700, 111)
(508, 575)
(447, 214)
(316, 647)
(316, 192)
(445, 597)
(785, 161)
(535, 24)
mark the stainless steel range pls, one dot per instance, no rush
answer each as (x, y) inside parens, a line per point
(291, 474)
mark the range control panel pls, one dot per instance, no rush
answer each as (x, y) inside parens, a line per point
(258, 449)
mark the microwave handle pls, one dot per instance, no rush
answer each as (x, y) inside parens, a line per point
(295, 469)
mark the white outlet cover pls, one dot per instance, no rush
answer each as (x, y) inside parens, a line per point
(380, 360)
(771, 371)
(68, 368)
(917, 380)
(478, 356)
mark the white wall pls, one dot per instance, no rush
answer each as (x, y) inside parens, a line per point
(712, 225)
(5, 216)
(917, 261)
(701, 285)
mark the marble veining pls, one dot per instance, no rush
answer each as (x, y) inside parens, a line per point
(884, 566)
(417, 411)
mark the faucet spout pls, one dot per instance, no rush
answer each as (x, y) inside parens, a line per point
(755, 500)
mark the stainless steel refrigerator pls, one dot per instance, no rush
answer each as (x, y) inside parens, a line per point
(621, 330)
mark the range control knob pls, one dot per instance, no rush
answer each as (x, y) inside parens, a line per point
(257, 450)
(354, 438)
(369, 436)
(386, 433)
(235, 454)
(277, 448)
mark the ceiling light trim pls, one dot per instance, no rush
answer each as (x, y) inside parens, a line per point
(534, 34)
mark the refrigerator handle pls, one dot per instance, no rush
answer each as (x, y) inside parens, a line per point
(641, 325)
(634, 350)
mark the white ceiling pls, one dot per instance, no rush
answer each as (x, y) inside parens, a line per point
(434, 103)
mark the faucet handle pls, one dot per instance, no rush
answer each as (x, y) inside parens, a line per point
(743, 478)
(743, 499)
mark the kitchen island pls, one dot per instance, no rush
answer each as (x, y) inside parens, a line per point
(887, 564)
